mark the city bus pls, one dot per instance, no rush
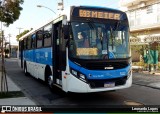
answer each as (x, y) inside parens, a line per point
(56, 52)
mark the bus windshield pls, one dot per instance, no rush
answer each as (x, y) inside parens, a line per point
(93, 40)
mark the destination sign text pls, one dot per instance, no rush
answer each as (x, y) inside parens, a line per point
(99, 14)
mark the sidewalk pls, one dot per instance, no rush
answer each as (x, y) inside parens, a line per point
(12, 87)
(145, 78)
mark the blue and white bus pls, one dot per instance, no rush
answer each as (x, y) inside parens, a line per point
(88, 51)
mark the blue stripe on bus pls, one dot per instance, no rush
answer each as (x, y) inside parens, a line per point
(101, 74)
(42, 55)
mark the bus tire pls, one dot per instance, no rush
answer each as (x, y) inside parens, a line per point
(25, 70)
(49, 77)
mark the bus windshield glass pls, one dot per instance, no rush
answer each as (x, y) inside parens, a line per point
(95, 40)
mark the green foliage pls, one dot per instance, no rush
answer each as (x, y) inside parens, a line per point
(141, 63)
(139, 48)
(20, 35)
(10, 11)
(11, 94)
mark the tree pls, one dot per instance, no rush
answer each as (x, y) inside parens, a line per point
(10, 10)
(21, 34)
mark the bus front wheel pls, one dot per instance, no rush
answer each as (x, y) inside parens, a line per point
(48, 77)
(50, 81)
(25, 70)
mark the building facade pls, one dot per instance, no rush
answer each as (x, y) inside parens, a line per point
(11, 50)
(144, 20)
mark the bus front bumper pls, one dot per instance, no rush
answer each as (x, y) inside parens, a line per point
(78, 86)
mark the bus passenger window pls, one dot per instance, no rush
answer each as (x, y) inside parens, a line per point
(33, 41)
(39, 39)
(29, 42)
(25, 43)
(47, 35)
(47, 39)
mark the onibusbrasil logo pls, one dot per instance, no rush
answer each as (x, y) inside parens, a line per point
(20, 109)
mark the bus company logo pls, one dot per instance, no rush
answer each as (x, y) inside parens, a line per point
(6, 109)
(110, 67)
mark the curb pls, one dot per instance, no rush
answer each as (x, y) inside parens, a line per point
(147, 86)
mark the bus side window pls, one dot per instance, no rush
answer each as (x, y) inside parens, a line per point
(29, 42)
(47, 35)
(39, 39)
(25, 43)
(33, 41)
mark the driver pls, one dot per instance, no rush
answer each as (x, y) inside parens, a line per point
(83, 41)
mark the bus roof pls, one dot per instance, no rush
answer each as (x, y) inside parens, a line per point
(101, 7)
(66, 15)
(96, 12)
(55, 20)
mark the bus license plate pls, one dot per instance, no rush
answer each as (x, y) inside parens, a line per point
(109, 84)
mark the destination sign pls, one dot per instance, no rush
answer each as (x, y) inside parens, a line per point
(87, 51)
(99, 14)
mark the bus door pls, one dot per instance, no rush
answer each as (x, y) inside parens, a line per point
(21, 49)
(57, 34)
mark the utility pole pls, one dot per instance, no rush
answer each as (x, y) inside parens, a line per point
(61, 6)
(19, 29)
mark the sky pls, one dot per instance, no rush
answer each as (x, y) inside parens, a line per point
(32, 16)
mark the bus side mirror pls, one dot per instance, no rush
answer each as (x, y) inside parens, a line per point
(66, 31)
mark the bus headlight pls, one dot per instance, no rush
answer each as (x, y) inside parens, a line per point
(78, 75)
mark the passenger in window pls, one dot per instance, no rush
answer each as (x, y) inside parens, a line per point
(83, 41)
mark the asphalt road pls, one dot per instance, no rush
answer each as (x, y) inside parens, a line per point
(42, 95)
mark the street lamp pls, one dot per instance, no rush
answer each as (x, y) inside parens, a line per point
(46, 8)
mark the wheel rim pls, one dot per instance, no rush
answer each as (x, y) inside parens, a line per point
(50, 80)
(25, 70)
